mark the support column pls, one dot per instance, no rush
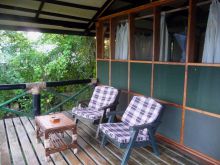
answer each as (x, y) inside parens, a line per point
(36, 104)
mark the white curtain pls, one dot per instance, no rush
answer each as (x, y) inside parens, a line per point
(211, 51)
(143, 47)
(164, 39)
(121, 42)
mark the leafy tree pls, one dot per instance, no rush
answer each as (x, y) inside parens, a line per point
(52, 57)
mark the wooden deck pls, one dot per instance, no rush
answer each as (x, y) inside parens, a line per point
(20, 147)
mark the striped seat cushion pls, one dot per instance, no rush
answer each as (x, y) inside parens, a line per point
(88, 113)
(102, 96)
(141, 110)
(120, 132)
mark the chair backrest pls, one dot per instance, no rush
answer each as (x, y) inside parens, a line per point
(141, 110)
(103, 96)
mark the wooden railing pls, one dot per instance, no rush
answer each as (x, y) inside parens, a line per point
(35, 90)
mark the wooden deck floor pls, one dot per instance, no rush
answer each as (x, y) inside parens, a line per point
(20, 148)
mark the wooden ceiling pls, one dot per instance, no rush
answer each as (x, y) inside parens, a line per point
(75, 17)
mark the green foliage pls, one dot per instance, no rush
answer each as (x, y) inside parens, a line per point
(52, 57)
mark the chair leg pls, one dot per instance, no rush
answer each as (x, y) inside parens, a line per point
(126, 155)
(129, 147)
(154, 145)
(104, 141)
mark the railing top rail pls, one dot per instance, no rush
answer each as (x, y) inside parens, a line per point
(47, 84)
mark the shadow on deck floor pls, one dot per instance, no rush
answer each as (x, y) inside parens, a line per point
(20, 147)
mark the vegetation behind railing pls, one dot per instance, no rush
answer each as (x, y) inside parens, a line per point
(46, 97)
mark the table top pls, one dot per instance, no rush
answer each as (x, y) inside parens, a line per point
(46, 122)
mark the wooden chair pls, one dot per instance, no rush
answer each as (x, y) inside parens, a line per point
(137, 128)
(104, 99)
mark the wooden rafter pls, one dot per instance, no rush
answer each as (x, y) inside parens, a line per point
(104, 7)
(68, 24)
(43, 30)
(39, 9)
(43, 12)
(56, 2)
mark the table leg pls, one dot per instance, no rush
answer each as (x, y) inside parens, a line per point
(74, 139)
(47, 146)
(37, 130)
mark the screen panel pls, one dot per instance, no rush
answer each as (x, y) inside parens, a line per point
(119, 75)
(141, 78)
(103, 72)
(202, 133)
(204, 88)
(169, 83)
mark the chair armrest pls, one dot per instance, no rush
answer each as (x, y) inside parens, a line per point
(149, 126)
(114, 113)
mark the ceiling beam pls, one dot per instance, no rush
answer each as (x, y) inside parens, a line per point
(104, 7)
(39, 9)
(68, 24)
(43, 30)
(43, 12)
(56, 2)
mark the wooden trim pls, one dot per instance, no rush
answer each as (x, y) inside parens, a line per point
(138, 9)
(203, 112)
(169, 63)
(139, 61)
(112, 38)
(100, 59)
(99, 40)
(199, 155)
(113, 60)
(203, 64)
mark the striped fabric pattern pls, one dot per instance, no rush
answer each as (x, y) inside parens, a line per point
(88, 113)
(141, 110)
(120, 132)
(103, 96)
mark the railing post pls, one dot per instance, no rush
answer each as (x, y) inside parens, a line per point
(34, 89)
(36, 104)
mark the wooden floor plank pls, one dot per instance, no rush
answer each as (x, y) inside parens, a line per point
(84, 158)
(110, 157)
(56, 157)
(71, 158)
(134, 159)
(37, 146)
(25, 143)
(15, 148)
(4, 150)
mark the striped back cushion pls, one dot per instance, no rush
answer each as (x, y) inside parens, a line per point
(141, 110)
(103, 96)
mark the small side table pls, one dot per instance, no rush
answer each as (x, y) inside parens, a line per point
(53, 132)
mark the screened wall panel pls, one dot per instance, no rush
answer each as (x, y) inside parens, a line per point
(204, 88)
(140, 78)
(202, 133)
(103, 72)
(169, 83)
(119, 75)
(171, 123)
